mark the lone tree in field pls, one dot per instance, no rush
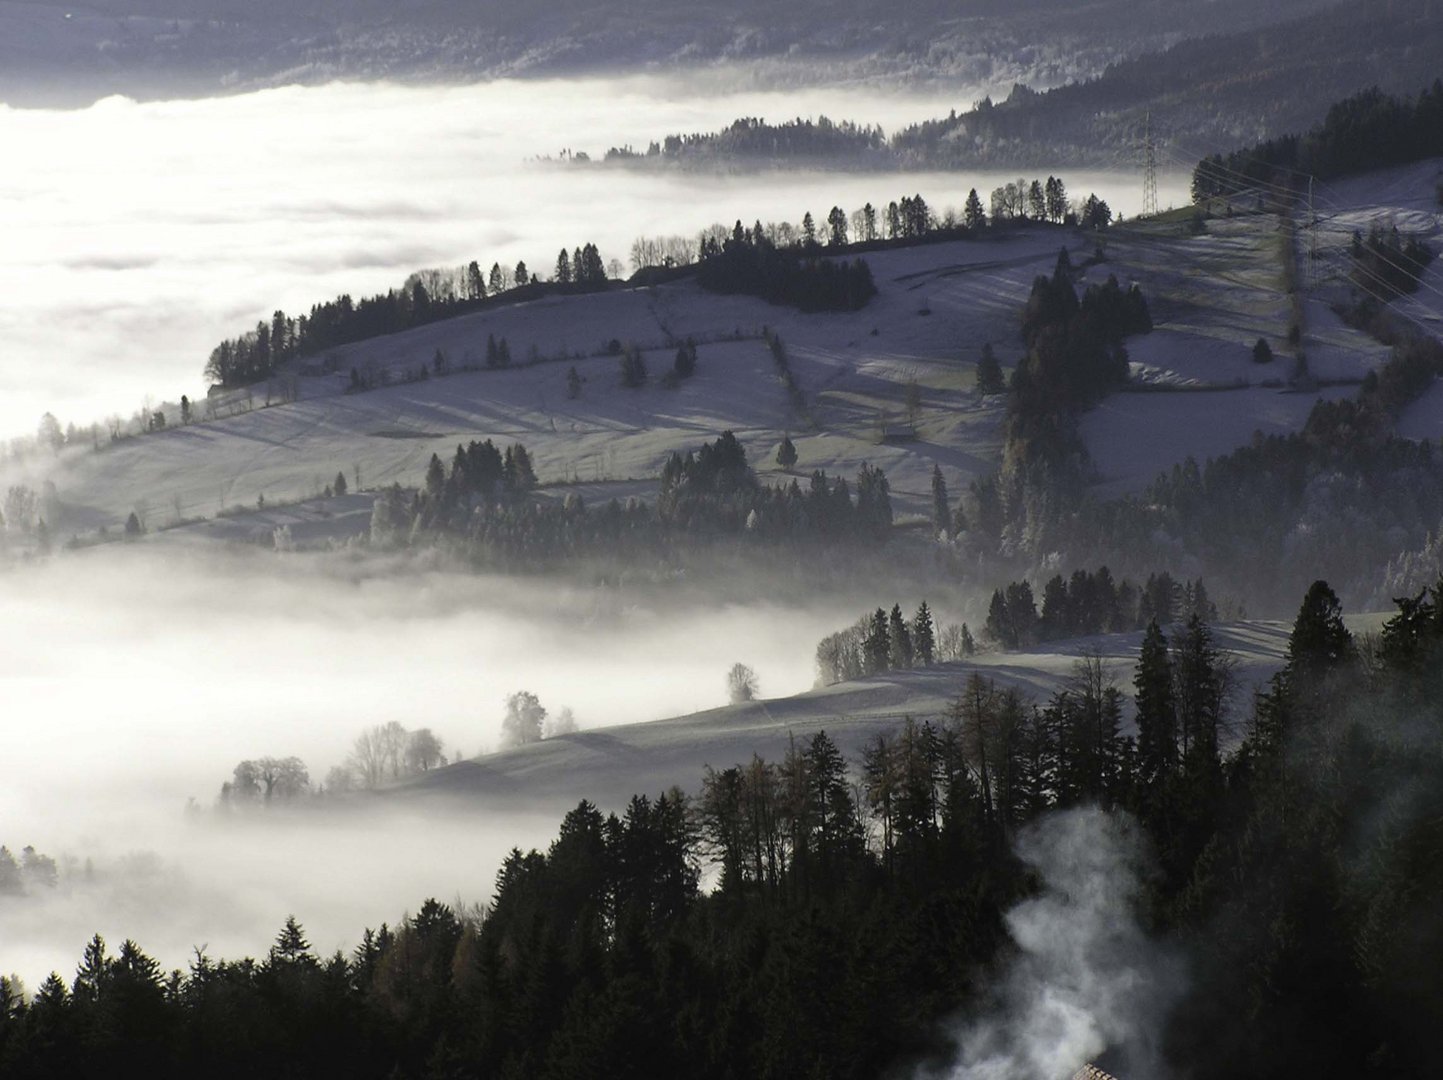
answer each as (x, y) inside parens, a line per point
(339, 487)
(633, 368)
(1262, 352)
(786, 453)
(524, 717)
(989, 373)
(741, 684)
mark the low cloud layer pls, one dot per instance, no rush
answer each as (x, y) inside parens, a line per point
(137, 677)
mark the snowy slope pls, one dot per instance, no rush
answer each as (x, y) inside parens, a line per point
(1212, 296)
(853, 369)
(610, 765)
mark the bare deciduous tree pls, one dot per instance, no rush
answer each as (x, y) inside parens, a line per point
(741, 684)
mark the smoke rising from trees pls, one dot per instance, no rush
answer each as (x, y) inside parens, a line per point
(1086, 981)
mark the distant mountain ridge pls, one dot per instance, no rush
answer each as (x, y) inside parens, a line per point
(1201, 96)
(53, 53)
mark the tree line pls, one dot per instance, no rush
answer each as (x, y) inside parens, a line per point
(747, 262)
(1075, 354)
(1088, 603)
(751, 136)
(427, 296)
(776, 262)
(480, 508)
(27, 875)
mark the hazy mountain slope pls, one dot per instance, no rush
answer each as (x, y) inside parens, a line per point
(55, 52)
(1206, 94)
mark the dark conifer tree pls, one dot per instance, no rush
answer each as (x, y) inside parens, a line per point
(989, 373)
(941, 510)
(972, 214)
(1157, 736)
(924, 636)
(899, 639)
(786, 453)
(877, 647)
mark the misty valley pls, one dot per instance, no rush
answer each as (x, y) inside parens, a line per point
(703, 544)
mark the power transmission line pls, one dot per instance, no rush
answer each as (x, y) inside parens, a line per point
(1149, 171)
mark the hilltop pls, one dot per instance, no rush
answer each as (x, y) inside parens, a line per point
(610, 765)
(892, 384)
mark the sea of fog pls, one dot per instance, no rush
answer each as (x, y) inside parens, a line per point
(136, 236)
(135, 678)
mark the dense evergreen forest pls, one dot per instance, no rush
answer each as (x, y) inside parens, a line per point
(1370, 130)
(859, 904)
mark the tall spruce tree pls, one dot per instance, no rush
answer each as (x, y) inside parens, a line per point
(989, 373)
(941, 511)
(877, 646)
(899, 640)
(924, 636)
(1157, 750)
(786, 453)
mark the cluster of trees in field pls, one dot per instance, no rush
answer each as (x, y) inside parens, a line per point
(883, 641)
(860, 903)
(381, 754)
(1386, 264)
(26, 875)
(747, 262)
(1370, 130)
(1075, 353)
(481, 476)
(1075, 350)
(716, 487)
(479, 507)
(527, 721)
(1088, 603)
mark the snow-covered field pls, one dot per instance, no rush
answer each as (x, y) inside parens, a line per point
(1197, 392)
(938, 304)
(1213, 295)
(610, 765)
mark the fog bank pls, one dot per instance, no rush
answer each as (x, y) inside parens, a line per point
(137, 677)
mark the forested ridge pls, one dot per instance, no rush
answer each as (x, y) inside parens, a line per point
(857, 904)
(1369, 130)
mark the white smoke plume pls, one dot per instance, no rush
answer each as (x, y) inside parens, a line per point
(1087, 982)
